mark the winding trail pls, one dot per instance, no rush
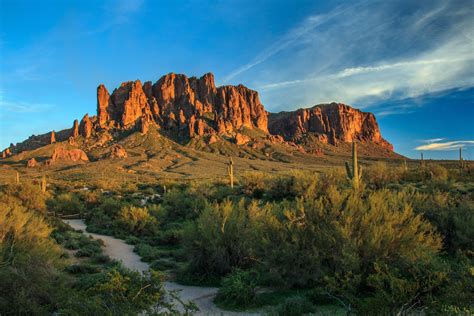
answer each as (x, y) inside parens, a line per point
(121, 251)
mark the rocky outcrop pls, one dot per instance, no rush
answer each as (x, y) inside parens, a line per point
(185, 107)
(31, 163)
(189, 106)
(241, 139)
(75, 129)
(331, 123)
(52, 139)
(85, 128)
(103, 98)
(117, 151)
(61, 154)
(6, 153)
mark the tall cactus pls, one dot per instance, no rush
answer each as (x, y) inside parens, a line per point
(354, 175)
(43, 184)
(17, 177)
(461, 162)
(405, 166)
(230, 172)
(422, 161)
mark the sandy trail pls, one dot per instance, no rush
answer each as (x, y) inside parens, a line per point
(119, 250)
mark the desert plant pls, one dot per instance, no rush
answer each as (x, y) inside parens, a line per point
(354, 175)
(462, 164)
(17, 177)
(230, 171)
(238, 289)
(43, 184)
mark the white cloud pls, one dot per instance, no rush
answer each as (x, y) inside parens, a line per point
(367, 53)
(452, 145)
(433, 140)
(22, 106)
(292, 36)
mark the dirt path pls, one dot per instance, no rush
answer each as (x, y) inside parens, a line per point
(119, 250)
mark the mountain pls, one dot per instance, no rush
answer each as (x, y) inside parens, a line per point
(194, 112)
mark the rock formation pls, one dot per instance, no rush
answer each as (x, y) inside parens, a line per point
(6, 153)
(103, 97)
(32, 163)
(117, 151)
(75, 129)
(194, 107)
(241, 139)
(72, 155)
(85, 128)
(331, 123)
(187, 105)
(52, 138)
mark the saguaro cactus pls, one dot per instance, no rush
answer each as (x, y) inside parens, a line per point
(43, 184)
(230, 172)
(422, 161)
(354, 175)
(405, 166)
(17, 178)
(461, 162)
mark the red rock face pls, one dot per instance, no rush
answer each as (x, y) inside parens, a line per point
(85, 128)
(190, 105)
(239, 107)
(31, 163)
(52, 138)
(103, 98)
(74, 155)
(75, 129)
(330, 122)
(241, 139)
(117, 151)
(129, 103)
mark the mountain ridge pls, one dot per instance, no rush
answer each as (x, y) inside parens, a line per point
(185, 108)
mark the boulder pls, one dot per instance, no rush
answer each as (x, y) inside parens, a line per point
(241, 139)
(31, 163)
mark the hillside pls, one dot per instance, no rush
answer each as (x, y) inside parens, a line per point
(182, 127)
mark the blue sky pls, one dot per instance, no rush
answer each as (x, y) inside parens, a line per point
(409, 62)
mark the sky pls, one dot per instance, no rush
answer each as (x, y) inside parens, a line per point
(411, 63)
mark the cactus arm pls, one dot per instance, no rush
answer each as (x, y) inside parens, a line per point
(348, 170)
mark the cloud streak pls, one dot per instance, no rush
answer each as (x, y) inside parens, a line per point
(367, 53)
(23, 107)
(452, 145)
(287, 40)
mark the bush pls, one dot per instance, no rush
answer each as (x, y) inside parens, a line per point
(25, 194)
(294, 306)
(380, 175)
(221, 238)
(437, 172)
(66, 203)
(137, 220)
(238, 289)
(30, 263)
(253, 184)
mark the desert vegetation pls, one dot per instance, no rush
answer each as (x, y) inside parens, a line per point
(398, 241)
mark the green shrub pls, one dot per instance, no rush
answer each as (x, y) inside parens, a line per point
(222, 238)
(66, 203)
(238, 289)
(137, 220)
(294, 306)
(25, 194)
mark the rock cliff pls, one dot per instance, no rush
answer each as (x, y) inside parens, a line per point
(331, 123)
(193, 107)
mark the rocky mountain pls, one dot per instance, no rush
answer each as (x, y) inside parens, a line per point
(185, 108)
(330, 123)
